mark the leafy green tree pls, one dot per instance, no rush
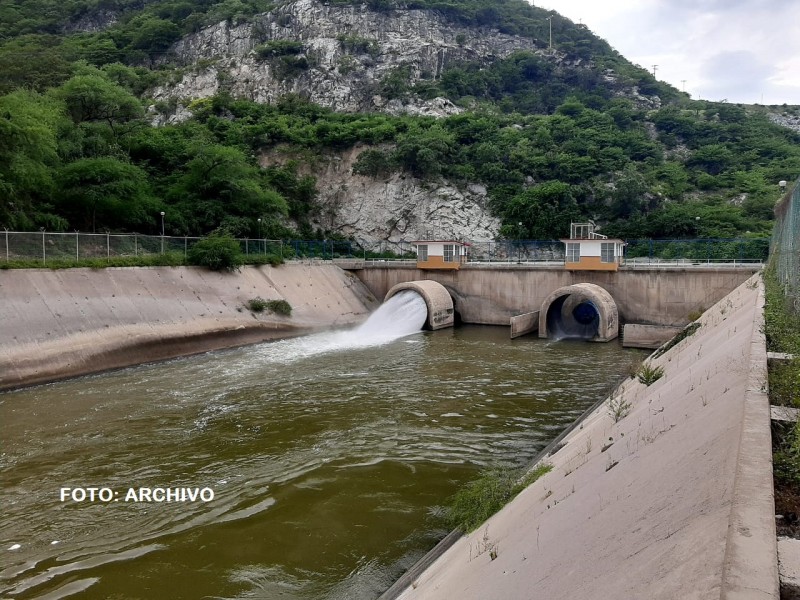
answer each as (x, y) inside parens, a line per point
(713, 158)
(93, 98)
(545, 212)
(424, 151)
(628, 195)
(219, 181)
(29, 126)
(35, 62)
(105, 192)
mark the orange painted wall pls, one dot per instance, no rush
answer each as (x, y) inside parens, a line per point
(437, 262)
(591, 263)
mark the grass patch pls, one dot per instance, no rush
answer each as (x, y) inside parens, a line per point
(648, 374)
(492, 490)
(168, 259)
(257, 304)
(784, 383)
(685, 333)
(279, 307)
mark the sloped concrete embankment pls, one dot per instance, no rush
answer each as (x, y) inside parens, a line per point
(673, 500)
(56, 324)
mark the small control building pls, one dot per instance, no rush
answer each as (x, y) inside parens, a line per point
(587, 250)
(441, 254)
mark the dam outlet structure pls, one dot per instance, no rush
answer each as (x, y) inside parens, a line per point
(582, 310)
(441, 312)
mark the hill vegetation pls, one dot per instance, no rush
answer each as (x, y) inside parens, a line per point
(550, 144)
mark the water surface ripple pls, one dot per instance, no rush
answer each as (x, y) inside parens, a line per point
(330, 460)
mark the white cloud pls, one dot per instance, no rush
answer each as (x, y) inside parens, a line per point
(735, 49)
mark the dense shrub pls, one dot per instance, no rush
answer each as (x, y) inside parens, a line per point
(218, 253)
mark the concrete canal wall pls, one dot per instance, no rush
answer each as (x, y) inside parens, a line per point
(56, 324)
(670, 499)
(492, 294)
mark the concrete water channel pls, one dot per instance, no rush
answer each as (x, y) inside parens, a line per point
(329, 462)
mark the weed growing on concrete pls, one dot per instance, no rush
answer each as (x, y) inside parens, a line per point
(484, 496)
(485, 545)
(257, 304)
(280, 307)
(618, 407)
(648, 374)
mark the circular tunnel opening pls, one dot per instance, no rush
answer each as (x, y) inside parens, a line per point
(586, 313)
(572, 317)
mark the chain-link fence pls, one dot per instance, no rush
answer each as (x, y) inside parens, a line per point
(44, 247)
(55, 247)
(785, 246)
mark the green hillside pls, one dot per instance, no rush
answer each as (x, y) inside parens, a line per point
(551, 141)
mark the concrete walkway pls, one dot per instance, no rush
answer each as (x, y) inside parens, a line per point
(672, 501)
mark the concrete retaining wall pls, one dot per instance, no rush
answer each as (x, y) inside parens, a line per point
(57, 324)
(492, 294)
(663, 492)
(647, 336)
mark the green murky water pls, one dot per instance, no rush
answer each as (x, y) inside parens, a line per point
(329, 465)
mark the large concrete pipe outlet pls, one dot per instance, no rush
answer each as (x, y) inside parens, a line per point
(583, 310)
(436, 296)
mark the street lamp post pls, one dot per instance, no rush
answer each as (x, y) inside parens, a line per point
(519, 242)
(162, 231)
(259, 236)
(550, 21)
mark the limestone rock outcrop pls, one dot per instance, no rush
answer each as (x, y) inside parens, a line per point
(396, 208)
(346, 52)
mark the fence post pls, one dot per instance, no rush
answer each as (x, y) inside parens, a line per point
(136, 245)
(6, 228)
(185, 246)
(108, 245)
(77, 247)
(44, 252)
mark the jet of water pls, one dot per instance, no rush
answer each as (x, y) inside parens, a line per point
(403, 314)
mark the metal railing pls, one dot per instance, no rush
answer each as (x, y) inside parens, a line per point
(45, 246)
(785, 247)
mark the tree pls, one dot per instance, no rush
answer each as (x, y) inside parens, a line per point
(219, 181)
(424, 151)
(545, 212)
(105, 192)
(93, 98)
(28, 154)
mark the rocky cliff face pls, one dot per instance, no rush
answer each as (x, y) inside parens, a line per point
(347, 51)
(395, 208)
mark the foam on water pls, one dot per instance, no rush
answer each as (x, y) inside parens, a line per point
(403, 314)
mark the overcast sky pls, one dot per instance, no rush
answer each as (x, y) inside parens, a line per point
(734, 50)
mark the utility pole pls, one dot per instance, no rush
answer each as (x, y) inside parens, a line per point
(654, 71)
(683, 81)
(550, 21)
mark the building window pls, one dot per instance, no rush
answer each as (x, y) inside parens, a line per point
(573, 253)
(448, 253)
(607, 252)
(422, 253)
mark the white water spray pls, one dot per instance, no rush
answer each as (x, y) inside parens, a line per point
(403, 314)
